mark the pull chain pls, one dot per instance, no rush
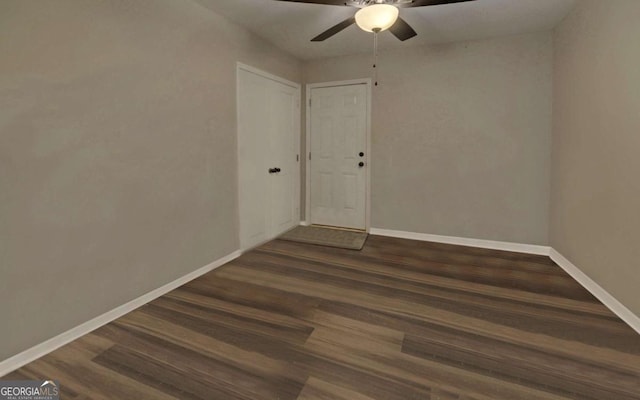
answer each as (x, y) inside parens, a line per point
(375, 56)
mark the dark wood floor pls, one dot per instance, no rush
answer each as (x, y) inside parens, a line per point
(398, 320)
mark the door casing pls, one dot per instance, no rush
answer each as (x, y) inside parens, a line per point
(308, 87)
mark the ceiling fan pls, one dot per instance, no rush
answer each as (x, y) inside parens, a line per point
(375, 15)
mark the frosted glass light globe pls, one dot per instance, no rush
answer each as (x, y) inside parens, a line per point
(377, 16)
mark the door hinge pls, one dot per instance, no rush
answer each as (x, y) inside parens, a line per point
(298, 157)
(309, 102)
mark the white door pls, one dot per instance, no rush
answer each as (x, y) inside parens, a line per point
(284, 110)
(338, 156)
(268, 141)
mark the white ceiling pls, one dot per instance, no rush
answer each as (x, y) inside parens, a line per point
(290, 26)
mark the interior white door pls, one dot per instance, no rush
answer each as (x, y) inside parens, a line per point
(284, 111)
(338, 156)
(268, 141)
(253, 186)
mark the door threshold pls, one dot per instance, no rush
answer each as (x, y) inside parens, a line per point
(338, 228)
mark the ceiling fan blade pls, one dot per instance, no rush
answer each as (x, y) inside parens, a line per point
(402, 30)
(335, 29)
(326, 2)
(424, 3)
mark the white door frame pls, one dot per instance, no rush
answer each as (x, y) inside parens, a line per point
(296, 189)
(309, 86)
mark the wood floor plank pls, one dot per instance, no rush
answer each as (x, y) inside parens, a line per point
(401, 245)
(183, 371)
(381, 246)
(379, 249)
(357, 379)
(515, 313)
(181, 335)
(357, 335)
(238, 309)
(252, 295)
(330, 290)
(532, 281)
(376, 336)
(235, 321)
(506, 361)
(399, 320)
(453, 283)
(423, 372)
(92, 380)
(316, 389)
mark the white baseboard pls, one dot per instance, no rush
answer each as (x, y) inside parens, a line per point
(605, 298)
(39, 350)
(485, 244)
(304, 223)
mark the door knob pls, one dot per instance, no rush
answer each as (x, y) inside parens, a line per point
(361, 154)
(361, 164)
(278, 169)
(273, 170)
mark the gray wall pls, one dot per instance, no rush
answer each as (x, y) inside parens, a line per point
(595, 205)
(461, 136)
(117, 153)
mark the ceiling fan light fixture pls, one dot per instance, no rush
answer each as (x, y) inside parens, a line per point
(377, 17)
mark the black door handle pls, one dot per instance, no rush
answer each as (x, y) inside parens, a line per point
(273, 170)
(278, 169)
(361, 154)
(360, 164)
